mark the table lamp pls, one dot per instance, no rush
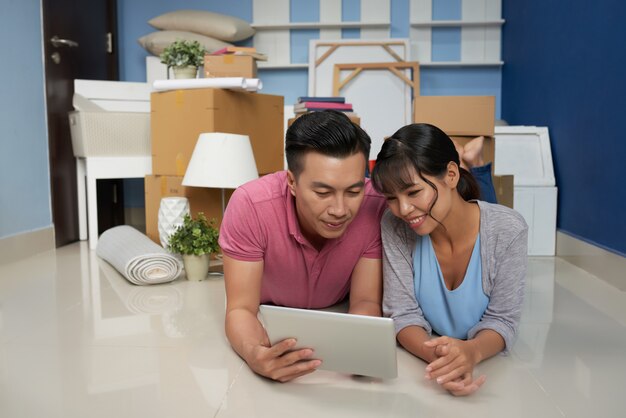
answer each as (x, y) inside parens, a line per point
(221, 160)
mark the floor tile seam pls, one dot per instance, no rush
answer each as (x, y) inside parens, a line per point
(232, 383)
(536, 379)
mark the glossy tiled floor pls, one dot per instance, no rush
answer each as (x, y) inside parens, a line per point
(77, 340)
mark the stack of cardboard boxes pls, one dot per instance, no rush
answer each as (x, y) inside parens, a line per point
(177, 119)
(463, 118)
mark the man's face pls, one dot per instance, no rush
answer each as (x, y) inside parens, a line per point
(328, 193)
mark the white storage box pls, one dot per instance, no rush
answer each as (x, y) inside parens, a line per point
(538, 207)
(524, 151)
(111, 119)
(110, 134)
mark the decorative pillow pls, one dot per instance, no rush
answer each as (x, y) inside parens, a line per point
(224, 27)
(156, 42)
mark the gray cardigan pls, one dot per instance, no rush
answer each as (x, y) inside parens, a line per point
(503, 249)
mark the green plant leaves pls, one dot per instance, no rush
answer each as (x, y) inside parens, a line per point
(183, 53)
(195, 236)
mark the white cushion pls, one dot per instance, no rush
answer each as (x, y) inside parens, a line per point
(156, 42)
(224, 27)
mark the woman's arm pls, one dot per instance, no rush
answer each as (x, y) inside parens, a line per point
(507, 294)
(399, 302)
(412, 338)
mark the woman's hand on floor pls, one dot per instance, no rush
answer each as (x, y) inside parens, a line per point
(465, 385)
(453, 369)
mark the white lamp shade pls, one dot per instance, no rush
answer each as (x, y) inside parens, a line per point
(221, 160)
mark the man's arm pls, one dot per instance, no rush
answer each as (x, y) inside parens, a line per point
(246, 334)
(366, 288)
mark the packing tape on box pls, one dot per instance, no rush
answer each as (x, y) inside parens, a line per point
(163, 186)
(180, 98)
(181, 164)
(233, 83)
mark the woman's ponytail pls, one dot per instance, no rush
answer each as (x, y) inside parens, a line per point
(467, 185)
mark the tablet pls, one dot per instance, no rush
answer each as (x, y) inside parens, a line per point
(356, 344)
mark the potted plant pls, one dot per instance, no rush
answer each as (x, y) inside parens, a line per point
(195, 239)
(184, 56)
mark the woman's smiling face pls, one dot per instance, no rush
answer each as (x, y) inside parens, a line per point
(425, 203)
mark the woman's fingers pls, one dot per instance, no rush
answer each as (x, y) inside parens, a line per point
(451, 375)
(442, 361)
(471, 388)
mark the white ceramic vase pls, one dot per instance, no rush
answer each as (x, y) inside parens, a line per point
(196, 266)
(172, 210)
(185, 72)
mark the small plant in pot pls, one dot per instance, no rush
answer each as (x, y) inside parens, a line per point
(195, 240)
(184, 57)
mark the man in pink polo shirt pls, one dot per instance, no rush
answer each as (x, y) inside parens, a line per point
(307, 238)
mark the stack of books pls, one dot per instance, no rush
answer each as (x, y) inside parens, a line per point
(307, 104)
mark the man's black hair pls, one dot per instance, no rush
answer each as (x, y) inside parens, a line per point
(329, 132)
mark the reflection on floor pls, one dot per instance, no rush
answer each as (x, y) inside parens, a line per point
(77, 340)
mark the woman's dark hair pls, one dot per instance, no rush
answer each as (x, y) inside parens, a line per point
(330, 133)
(426, 149)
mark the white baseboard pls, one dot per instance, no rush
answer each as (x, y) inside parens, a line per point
(601, 263)
(20, 246)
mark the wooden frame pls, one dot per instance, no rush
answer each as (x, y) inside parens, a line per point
(386, 45)
(323, 54)
(381, 95)
(394, 67)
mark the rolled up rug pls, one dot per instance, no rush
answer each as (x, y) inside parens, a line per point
(136, 257)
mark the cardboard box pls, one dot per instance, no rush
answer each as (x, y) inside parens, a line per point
(457, 115)
(178, 117)
(463, 118)
(229, 65)
(504, 190)
(201, 199)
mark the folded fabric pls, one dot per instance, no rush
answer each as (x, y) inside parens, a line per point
(136, 257)
(216, 25)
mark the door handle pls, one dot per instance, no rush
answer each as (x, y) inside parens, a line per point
(58, 42)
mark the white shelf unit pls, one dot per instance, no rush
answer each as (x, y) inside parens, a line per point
(457, 23)
(262, 65)
(461, 64)
(481, 26)
(271, 19)
(323, 25)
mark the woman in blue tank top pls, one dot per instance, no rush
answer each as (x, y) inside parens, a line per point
(453, 265)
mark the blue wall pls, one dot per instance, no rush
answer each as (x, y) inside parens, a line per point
(564, 68)
(24, 168)
(291, 83)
